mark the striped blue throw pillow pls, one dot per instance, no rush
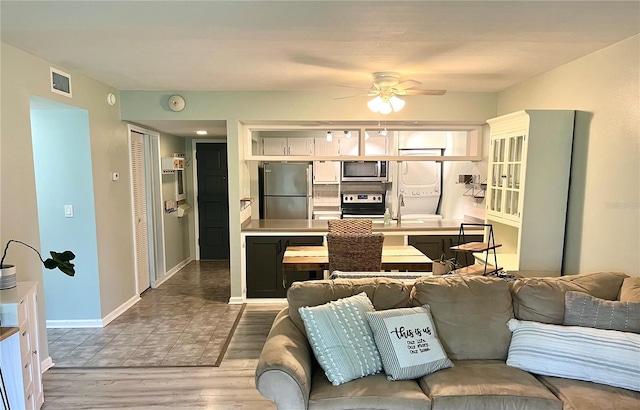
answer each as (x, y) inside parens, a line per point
(601, 356)
(407, 342)
(341, 339)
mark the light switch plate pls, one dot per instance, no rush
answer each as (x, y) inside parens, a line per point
(68, 211)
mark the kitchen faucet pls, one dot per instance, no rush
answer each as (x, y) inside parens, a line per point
(400, 205)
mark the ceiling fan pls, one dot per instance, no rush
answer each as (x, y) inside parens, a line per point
(387, 87)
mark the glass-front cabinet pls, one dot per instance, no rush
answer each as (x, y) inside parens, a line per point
(506, 174)
(527, 189)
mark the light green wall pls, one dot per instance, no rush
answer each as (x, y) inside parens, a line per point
(24, 75)
(176, 230)
(62, 162)
(603, 231)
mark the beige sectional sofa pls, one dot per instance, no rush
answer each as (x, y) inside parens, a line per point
(470, 315)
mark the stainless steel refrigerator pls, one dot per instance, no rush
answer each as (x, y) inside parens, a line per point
(287, 190)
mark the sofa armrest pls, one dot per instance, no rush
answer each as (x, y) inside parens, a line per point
(283, 374)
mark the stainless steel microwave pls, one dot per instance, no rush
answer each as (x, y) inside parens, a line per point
(359, 171)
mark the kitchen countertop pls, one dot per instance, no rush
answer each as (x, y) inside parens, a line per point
(320, 226)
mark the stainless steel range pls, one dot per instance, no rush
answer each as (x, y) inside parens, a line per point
(363, 205)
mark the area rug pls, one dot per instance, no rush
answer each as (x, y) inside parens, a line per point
(149, 342)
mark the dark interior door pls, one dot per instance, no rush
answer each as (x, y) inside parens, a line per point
(213, 200)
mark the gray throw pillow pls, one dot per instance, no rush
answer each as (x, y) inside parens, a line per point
(582, 309)
(407, 342)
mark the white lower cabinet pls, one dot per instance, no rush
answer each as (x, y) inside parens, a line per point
(20, 357)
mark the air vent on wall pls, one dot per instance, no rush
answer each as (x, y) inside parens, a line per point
(60, 82)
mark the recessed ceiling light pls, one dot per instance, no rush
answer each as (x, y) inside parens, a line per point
(201, 132)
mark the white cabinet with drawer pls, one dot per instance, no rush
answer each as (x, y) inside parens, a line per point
(19, 309)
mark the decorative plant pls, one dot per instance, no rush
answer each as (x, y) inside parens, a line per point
(58, 260)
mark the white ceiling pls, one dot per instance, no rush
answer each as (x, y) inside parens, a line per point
(313, 45)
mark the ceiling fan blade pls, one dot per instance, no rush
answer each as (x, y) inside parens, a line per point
(415, 82)
(424, 92)
(353, 87)
(352, 96)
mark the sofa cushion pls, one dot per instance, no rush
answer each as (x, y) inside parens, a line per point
(579, 395)
(341, 338)
(542, 299)
(486, 385)
(470, 314)
(602, 356)
(384, 293)
(581, 309)
(630, 290)
(407, 342)
(371, 392)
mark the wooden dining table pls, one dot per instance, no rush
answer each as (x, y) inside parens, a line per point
(394, 257)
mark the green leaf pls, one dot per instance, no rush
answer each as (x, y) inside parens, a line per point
(61, 261)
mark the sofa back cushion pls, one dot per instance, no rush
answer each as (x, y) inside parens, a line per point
(630, 290)
(542, 299)
(470, 314)
(384, 293)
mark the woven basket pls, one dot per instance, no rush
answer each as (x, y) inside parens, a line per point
(440, 267)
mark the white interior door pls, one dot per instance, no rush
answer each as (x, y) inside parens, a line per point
(138, 180)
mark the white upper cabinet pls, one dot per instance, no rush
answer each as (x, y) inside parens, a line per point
(348, 146)
(507, 151)
(274, 146)
(287, 146)
(376, 145)
(326, 172)
(460, 142)
(324, 148)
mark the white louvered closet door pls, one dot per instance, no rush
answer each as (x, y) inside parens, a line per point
(140, 211)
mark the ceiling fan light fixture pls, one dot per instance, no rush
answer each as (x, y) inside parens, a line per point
(396, 103)
(385, 104)
(374, 104)
(385, 108)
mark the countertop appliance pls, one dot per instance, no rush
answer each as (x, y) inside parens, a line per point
(420, 183)
(363, 205)
(286, 190)
(365, 171)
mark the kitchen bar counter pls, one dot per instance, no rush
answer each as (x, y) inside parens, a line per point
(266, 240)
(406, 227)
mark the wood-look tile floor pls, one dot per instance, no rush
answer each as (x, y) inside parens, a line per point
(230, 386)
(186, 321)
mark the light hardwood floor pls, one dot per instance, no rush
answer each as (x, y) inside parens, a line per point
(230, 386)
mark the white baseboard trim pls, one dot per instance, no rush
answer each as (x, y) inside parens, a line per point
(172, 272)
(46, 364)
(53, 324)
(236, 300)
(120, 310)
